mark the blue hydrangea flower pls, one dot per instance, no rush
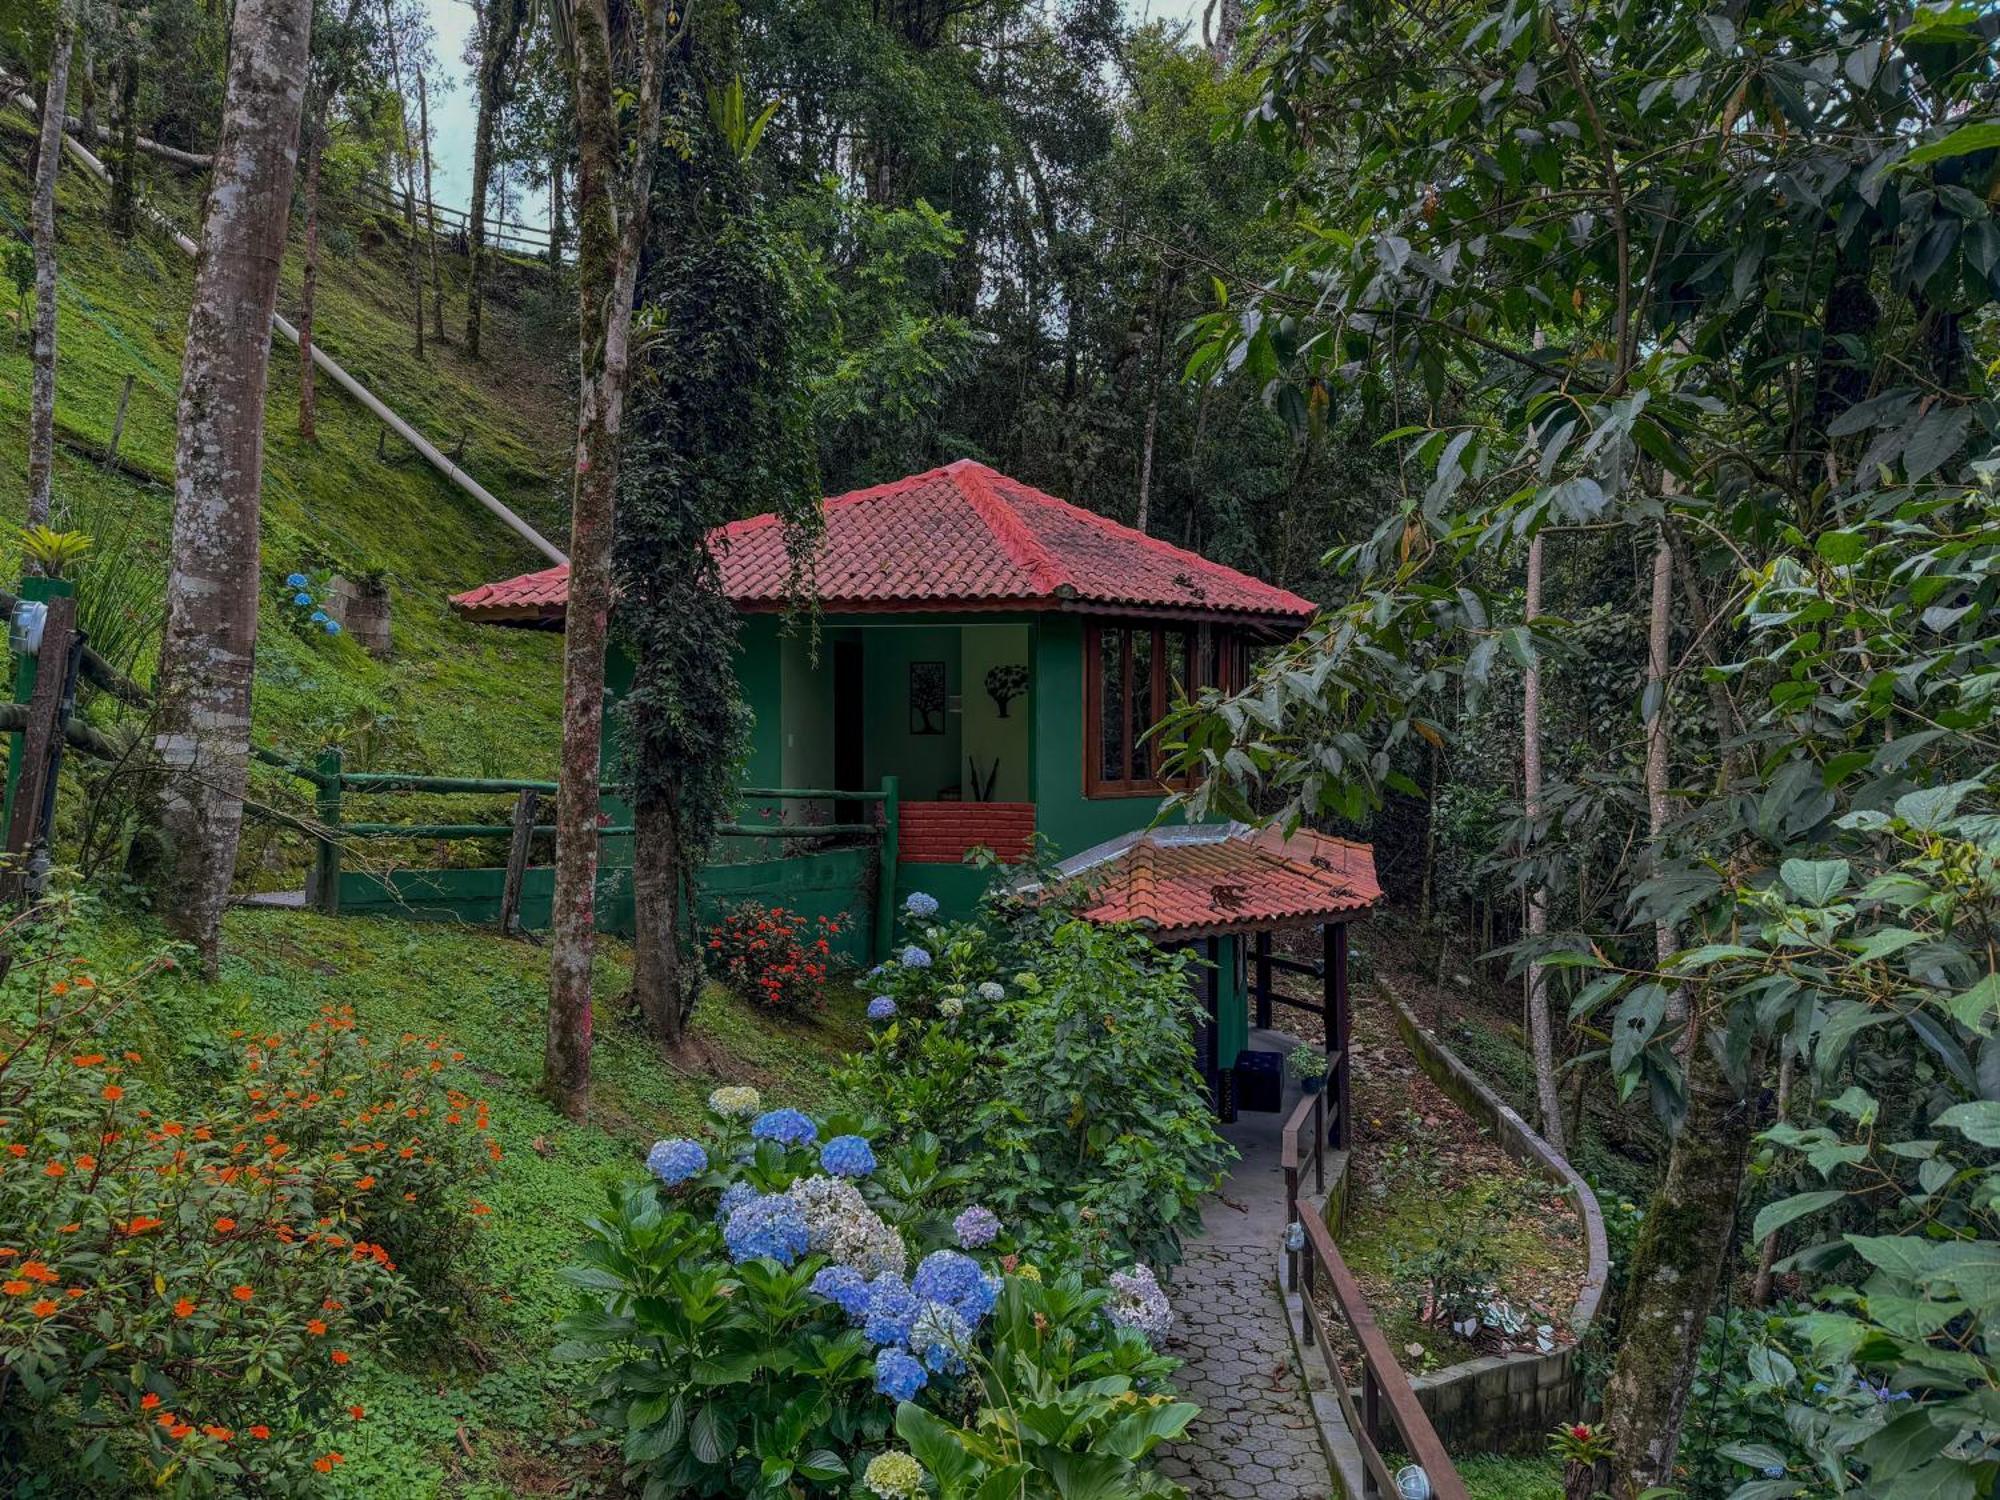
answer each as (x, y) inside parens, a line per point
(898, 1376)
(977, 1226)
(846, 1288)
(675, 1161)
(920, 905)
(295, 580)
(319, 616)
(333, 627)
(939, 1338)
(769, 1226)
(881, 1008)
(956, 1282)
(847, 1156)
(733, 1197)
(788, 1127)
(302, 598)
(892, 1309)
(914, 957)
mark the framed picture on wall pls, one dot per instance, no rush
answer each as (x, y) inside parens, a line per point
(927, 697)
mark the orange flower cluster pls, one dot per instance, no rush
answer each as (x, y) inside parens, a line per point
(206, 1251)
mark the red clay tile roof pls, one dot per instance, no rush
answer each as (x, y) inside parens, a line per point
(1196, 882)
(960, 537)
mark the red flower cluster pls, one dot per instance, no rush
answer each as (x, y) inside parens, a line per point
(776, 957)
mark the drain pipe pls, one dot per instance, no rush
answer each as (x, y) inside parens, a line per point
(340, 377)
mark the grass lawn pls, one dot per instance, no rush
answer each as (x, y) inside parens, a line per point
(469, 1403)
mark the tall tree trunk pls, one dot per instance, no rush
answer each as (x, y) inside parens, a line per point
(1228, 16)
(1676, 1269)
(1541, 1033)
(125, 145)
(409, 179)
(48, 159)
(611, 226)
(558, 232)
(660, 982)
(1659, 621)
(430, 209)
(499, 34)
(1152, 413)
(206, 659)
(309, 280)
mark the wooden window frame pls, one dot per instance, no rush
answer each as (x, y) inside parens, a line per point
(1227, 645)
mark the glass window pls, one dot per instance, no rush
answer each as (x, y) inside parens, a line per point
(1135, 674)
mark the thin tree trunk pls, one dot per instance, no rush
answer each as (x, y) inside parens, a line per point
(1152, 418)
(557, 231)
(125, 153)
(430, 209)
(1676, 1269)
(502, 29)
(309, 283)
(1540, 1031)
(207, 655)
(1659, 618)
(611, 226)
(409, 179)
(48, 159)
(1767, 1256)
(660, 986)
(1228, 25)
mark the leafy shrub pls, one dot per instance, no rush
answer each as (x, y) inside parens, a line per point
(774, 956)
(1054, 1058)
(183, 1294)
(762, 1312)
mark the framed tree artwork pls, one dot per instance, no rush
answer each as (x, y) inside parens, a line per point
(928, 698)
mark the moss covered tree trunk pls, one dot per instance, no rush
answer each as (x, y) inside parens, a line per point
(206, 657)
(48, 159)
(662, 986)
(614, 189)
(1676, 1271)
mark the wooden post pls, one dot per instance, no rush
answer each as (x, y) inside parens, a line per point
(118, 423)
(886, 862)
(326, 853)
(37, 743)
(1211, 950)
(1263, 980)
(1337, 1015)
(518, 844)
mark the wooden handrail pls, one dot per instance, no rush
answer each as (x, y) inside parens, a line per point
(1383, 1381)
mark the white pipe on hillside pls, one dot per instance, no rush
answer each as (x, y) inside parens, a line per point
(340, 377)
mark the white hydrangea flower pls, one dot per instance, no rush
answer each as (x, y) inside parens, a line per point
(841, 1225)
(1138, 1303)
(735, 1101)
(992, 990)
(951, 1007)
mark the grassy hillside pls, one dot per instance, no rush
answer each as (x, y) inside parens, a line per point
(453, 697)
(469, 1404)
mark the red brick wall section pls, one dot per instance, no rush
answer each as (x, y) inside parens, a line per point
(940, 833)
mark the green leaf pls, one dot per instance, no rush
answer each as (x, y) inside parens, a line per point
(1815, 881)
(1973, 1008)
(1929, 808)
(1978, 1121)
(1981, 135)
(1775, 1216)
(711, 1434)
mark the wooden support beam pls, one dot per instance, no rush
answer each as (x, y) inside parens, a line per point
(39, 744)
(1263, 979)
(1338, 1016)
(517, 860)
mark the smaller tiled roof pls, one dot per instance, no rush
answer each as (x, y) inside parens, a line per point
(963, 537)
(1211, 879)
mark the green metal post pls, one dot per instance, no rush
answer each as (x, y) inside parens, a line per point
(40, 590)
(885, 896)
(326, 855)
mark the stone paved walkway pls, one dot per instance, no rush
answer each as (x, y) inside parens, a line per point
(1256, 1438)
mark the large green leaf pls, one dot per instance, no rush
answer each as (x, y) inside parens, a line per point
(1775, 1216)
(1980, 135)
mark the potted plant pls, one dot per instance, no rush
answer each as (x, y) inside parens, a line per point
(1308, 1065)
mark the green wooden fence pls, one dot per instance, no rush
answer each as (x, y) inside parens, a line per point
(519, 894)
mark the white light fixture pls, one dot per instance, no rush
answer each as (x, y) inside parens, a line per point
(24, 627)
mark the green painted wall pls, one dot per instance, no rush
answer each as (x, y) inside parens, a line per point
(1063, 815)
(805, 723)
(925, 764)
(984, 736)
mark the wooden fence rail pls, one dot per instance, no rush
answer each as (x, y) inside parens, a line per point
(1385, 1390)
(330, 782)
